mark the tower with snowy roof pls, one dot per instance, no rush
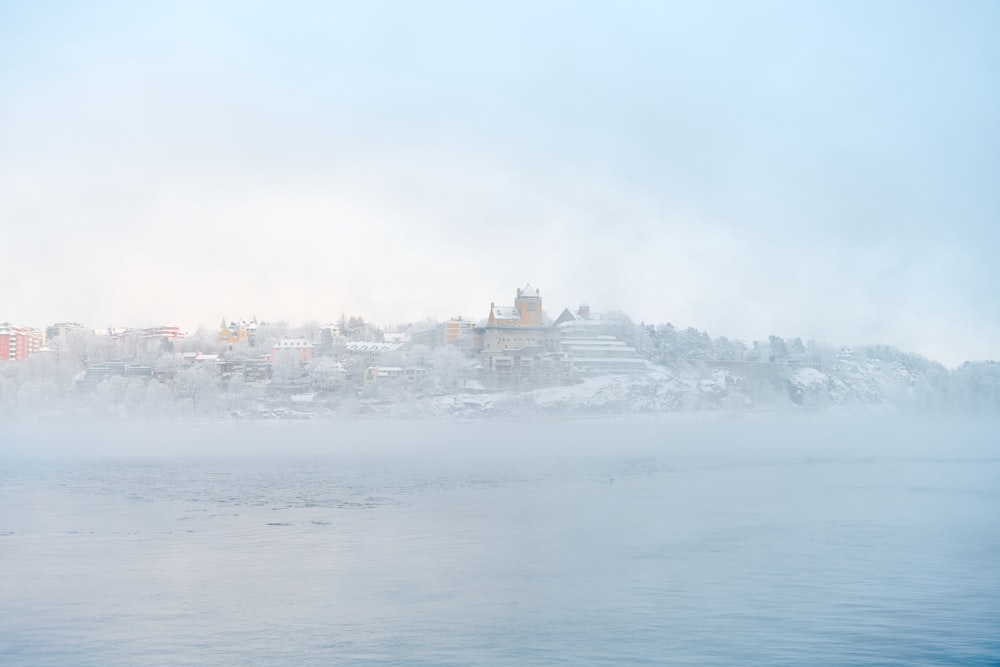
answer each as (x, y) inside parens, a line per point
(529, 306)
(526, 312)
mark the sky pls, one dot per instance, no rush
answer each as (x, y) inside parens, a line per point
(826, 170)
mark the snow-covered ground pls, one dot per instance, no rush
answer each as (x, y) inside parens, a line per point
(692, 387)
(895, 379)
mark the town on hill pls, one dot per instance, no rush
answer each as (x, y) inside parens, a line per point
(516, 360)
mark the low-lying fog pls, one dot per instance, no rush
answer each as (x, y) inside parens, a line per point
(709, 434)
(683, 539)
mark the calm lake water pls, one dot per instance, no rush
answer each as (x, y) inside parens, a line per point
(738, 541)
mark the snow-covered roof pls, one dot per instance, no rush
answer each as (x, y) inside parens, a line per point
(506, 313)
(579, 321)
(528, 291)
(292, 343)
(372, 346)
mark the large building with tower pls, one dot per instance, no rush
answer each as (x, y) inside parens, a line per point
(516, 346)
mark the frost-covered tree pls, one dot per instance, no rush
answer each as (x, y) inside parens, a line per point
(797, 350)
(268, 334)
(112, 391)
(203, 341)
(420, 355)
(665, 343)
(976, 386)
(286, 367)
(9, 385)
(729, 350)
(83, 346)
(198, 383)
(307, 330)
(777, 350)
(356, 328)
(449, 369)
(642, 339)
(822, 354)
(325, 374)
(694, 344)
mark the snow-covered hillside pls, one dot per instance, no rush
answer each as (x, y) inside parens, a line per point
(905, 382)
(687, 371)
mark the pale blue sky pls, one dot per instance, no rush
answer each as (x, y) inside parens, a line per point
(827, 170)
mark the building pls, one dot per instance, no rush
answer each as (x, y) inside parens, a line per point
(515, 347)
(94, 374)
(55, 334)
(595, 344)
(430, 336)
(383, 374)
(251, 370)
(601, 354)
(582, 314)
(170, 333)
(238, 332)
(164, 337)
(526, 312)
(18, 343)
(456, 331)
(455, 328)
(371, 353)
(295, 348)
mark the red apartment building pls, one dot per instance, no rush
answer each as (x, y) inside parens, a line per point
(16, 343)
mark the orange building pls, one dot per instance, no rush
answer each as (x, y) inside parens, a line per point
(517, 348)
(527, 310)
(297, 348)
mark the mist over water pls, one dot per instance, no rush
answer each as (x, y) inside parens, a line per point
(669, 540)
(499, 334)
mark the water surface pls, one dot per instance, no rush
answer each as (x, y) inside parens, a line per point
(601, 542)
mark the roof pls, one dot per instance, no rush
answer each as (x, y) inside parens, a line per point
(372, 346)
(576, 322)
(292, 343)
(528, 291)
(506, 313)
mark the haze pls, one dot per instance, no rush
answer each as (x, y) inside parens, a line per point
(818, 170)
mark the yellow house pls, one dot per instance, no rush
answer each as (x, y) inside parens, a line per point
(238, 332)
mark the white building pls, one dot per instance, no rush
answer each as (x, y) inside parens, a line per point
(371, 352)
(595, 346)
